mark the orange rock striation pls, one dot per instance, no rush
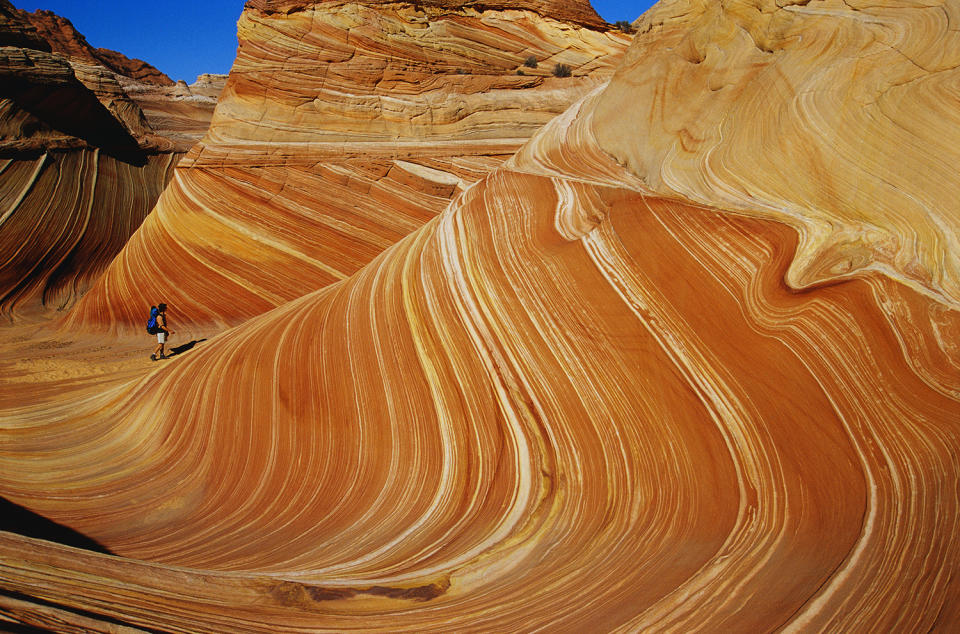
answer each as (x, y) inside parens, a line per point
(65, 216)
(342, 128)
(80, 163)
(569, 402)
(733, 98)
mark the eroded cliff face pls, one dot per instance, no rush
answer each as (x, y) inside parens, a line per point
(180, 113)
(568, 402)
(82, 164)
(342, 128)
(17, 32)
(63, 38)
(578, 12)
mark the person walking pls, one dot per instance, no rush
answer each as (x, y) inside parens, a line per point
(162, 332)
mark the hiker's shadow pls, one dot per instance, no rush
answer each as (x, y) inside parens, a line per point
(181, 349)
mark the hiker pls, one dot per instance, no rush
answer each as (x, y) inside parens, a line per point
(158, 326)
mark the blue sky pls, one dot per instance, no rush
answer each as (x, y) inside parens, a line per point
(184, 39)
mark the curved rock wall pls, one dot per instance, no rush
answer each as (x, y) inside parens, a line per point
(562, 404)
(828, 116)
(342, 128)
(80, 164)
(63, 218)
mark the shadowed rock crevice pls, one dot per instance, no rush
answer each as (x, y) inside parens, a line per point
(17, 519)
(74, 110)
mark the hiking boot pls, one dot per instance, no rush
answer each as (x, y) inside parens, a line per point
(163, 356)
(153, 357)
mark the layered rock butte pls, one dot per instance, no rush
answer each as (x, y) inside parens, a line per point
(88, 140)
(688, 360)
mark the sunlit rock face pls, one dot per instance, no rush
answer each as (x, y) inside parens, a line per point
(570, 402)
(342, 128)
(578, 12)
(828, 116)
(180, 113)
(62, 37)
(81, 164)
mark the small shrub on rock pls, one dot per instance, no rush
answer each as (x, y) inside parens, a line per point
(624, 26)
(530, 62)
(562, 70)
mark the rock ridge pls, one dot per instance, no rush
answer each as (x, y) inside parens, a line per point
(579, 12)
(63, 37)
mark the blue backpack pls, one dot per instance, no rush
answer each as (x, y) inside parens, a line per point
(152, 327)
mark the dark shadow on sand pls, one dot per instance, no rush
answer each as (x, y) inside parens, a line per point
(16, 519)
(181, 349)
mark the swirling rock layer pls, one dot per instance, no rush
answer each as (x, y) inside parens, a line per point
(567, 402)
(828, 116)
(342, 128)
(63, 218)
(81, 164)
(522, 416)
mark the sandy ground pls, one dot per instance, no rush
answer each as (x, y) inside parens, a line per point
(39, 362)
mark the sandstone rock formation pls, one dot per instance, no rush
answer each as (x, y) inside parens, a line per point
(80, 163)
(180, 113)
(17, 32)
(578, 12)
(591, 394)
(63, 38)
(771, 98)
(342, 128)
(65, 215)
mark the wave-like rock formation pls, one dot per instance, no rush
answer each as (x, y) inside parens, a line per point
(814, 113)
(80, 163)
(569, 402)
(342, 128)
(63, 218)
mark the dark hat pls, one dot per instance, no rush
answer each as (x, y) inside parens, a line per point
(161, 306)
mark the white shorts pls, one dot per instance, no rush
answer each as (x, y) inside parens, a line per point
(161, 337)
